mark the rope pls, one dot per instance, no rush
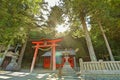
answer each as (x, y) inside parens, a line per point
(46, 49)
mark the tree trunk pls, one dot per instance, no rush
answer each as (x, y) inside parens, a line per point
(21, 55)
(88, 40)
(106, 42)
(0, 48)
(8, 47)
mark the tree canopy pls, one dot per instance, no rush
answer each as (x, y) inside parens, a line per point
(21, 19)
(104, 13)
(15, 16)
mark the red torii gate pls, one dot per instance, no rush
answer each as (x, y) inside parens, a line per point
(45, 43)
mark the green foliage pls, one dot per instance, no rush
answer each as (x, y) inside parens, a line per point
(13, 35)
(70, 42)
(55, 17)
(98, 41)
(75, 10)
(107, 12)
(15, 14)
(76, 29)
(78, 33)
(1, 55)
(40, 33)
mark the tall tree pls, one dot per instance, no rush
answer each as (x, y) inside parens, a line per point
(101, 17)
(79, 9)
(50, 18)
(15, 16)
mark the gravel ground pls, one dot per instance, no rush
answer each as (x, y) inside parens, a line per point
(8, 75)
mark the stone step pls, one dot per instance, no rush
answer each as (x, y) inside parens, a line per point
(68, 70)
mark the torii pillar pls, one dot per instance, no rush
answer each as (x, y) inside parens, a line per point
(45, 43)
(34, 58)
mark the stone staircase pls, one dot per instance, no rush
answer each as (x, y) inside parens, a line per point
(68, 73)
(67, 70)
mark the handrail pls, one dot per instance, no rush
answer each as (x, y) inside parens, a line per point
(101, 66)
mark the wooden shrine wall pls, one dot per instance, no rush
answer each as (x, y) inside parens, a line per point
(46, 63)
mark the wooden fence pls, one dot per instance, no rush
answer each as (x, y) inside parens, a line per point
(99, 67)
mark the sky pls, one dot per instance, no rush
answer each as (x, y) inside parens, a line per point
(60, 28)
(51, 3)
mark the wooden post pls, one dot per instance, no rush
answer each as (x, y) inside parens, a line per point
(34, 58)
(74, 62)
(102, 64)
(53, 57)
(81, 65)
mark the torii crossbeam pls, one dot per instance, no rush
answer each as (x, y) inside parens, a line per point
(45, 43)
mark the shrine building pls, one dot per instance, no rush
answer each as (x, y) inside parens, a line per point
(60, 60)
